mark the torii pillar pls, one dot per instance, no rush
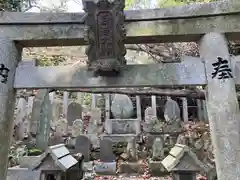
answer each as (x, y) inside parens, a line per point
(10, 55)
(222, 104)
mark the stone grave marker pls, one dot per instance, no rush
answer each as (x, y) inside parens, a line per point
(83, 145)
(37, 104)
(149, 114)
(57, 109)
(21, 112)
(106, 153)
(96, 115)
(74, 112)
(132, 149)
(122, 107)
(30, 106)
(158, 149)
(171, 111)
(44, 120)
(23, 130)
(61, 126)
(124, 126)
(151, 120)
(77, 128)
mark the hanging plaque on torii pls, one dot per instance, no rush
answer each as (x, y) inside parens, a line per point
(105, 34)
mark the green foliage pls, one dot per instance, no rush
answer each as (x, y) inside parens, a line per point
(17, 5)
(15, 154)
(87, 99)
(162, 3)
(34, 152)
(53, 60)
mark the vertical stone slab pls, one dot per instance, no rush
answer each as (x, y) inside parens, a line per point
(185, 109)
(30, 106)
(9, 57)
(107, 106)
(36, 110)
(65, 102)
(83, 145)
(154, 105)
(74, 112)
(106, 152)
(205, 116)
(51, 96)
(222, 105)
(139, 109)
(199, 109)
(44, 122)
(94, 100)
(21, 111)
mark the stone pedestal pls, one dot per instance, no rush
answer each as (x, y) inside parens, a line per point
(105, 168)
(131, 168)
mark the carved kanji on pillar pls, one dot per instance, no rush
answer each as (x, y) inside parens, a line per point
(105, 34)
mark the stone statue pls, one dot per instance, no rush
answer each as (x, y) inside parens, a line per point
(182, 139)
(132, 149)
(77, 128)
(172, 111)
(158, 149)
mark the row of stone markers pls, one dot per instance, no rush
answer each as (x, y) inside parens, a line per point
(94, 144)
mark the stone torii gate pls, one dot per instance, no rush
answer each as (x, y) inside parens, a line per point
(208, 24)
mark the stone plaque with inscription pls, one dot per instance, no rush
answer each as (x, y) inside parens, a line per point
(105, 34)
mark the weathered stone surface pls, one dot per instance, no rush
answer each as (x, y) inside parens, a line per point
(131, 168)
(44, 119)
(190, 71)
(171, 111)
(74, 34)
(215, 8)
(122, 126)
(88, 166)
(23, 129)
(21, 112)
(57, 139)
(122, 107)
(77, 128)
(95, 140)
(222, 104)
(105, 54)
(28, 161)
(158, 149)
(10, 55)
(156, 168)
(150, 139)
(95, 115)
(83, 145)
(132, 149)
(74, 112)
(61, 127)
(103, 168)
(15, 174)
(106, 152)
(56, 109)
(36, 111)
(118, 137)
